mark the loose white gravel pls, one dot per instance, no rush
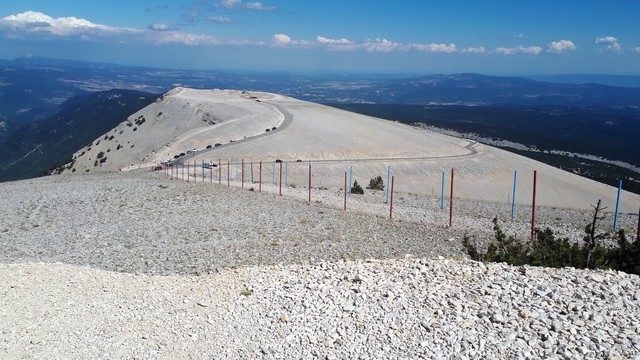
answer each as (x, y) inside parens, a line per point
(133, 265)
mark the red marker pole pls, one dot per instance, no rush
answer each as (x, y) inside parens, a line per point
(228, 173)
(345, 190)
(281, 179)
(638, 231)
(309, 181)
(260, 182)
(243, 173)
(533, 206)
(391, 202)
(451, 201)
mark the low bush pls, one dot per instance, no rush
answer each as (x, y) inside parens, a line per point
(376, 183)
(547, 250)
(356, 188)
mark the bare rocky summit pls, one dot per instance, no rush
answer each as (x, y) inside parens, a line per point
(134, 265)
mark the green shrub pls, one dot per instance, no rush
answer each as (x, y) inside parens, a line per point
(356, 188)
(547, 250)
(376, 183)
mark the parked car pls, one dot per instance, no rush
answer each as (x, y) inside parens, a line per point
(278, 160)
(209, 146)
(273, 128)
(267, 130)
(217, 144)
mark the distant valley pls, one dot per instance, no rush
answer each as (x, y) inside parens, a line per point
(50, 108)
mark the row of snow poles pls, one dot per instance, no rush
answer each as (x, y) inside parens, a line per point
(180, 174)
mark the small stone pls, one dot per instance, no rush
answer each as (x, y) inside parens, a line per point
(556, 326)
(596, 278)
(284, 318)
(524, 314)
(498, 318)
(203, 303)
(348, 308)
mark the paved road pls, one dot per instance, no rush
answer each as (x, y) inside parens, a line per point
(288, 119)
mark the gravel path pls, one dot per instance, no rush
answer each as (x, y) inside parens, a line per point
(132, 265)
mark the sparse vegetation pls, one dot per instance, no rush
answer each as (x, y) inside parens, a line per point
(246, 292)
(376, 184)
(547, 250)
(356, 188)
(100, 155)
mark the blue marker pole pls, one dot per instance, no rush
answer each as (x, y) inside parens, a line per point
(513, 200)
(236, 170)
(615, 217)
(388, 182)
(442, 194)
(350, 177)
(274, 173)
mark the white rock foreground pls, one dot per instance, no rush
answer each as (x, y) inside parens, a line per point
(136, 266)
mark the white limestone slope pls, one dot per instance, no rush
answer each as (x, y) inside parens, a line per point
(335, 140)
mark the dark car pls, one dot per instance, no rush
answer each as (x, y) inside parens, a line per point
(273, 128)
(217, 144)
(209, 146)
(278, 161)
(182, 154)
(176, 156)
(267, 130)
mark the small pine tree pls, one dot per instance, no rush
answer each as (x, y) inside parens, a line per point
(376, 183)
(356, 188)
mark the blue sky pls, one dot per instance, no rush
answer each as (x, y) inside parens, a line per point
(521, 37)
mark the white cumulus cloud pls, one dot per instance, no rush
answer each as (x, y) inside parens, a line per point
(561, 46)
(637, 49)
(606, 40)
(530, 50)
(281, 39)
(35, 25)
(38, 23)
(285, 40)
(324, 40)
(444, 48)
(381, 45)
(610, 43)
(474, 50)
